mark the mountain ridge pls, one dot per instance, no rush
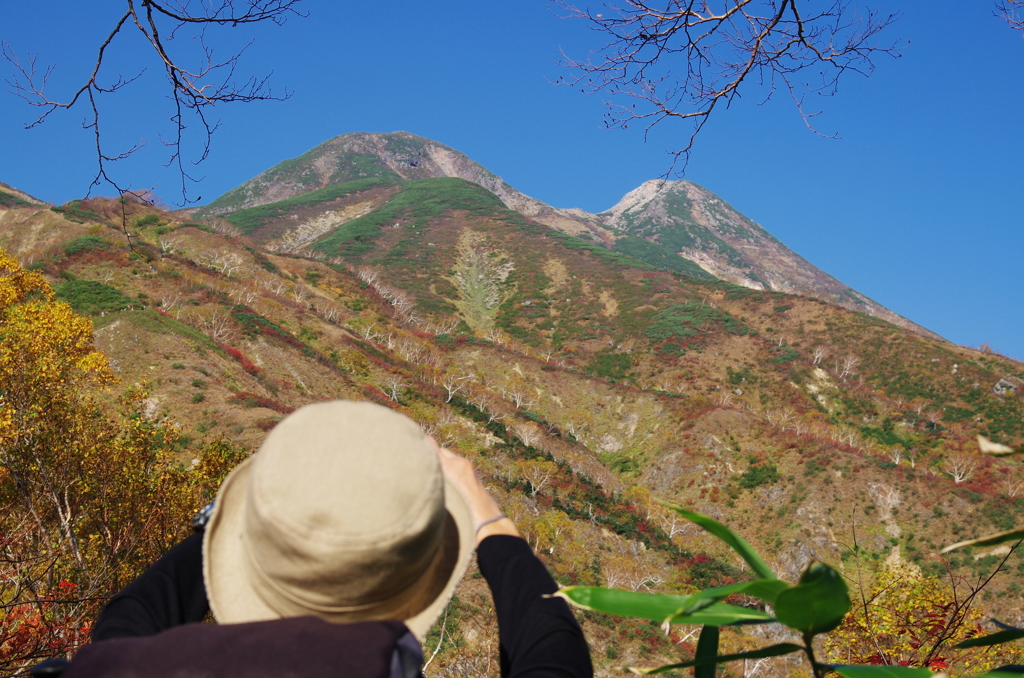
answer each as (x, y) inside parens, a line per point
(10, 197)
(402, 155)
(585, 385)
(677, 225)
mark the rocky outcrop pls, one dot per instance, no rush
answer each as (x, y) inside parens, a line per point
(703, 228)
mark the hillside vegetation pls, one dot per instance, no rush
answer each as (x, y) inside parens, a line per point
(586, 384)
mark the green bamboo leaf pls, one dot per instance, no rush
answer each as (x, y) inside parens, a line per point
(988, 540)
(654, 606)
(1006, 627)
(1008, 671)
(881, 672)
(707, 647)
(735, 542)
(658, 607)
(815, 605)
(720, 614)
(770, 651)
(997, 449)
(767, 590)
(763, 589)
(992, 639)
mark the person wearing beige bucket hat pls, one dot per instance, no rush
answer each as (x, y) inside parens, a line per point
(348, 516)
(345, 514)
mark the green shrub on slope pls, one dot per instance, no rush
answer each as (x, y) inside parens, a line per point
(8, 200)
(251, 219)
(415, 202)
(85, 243)
(692, 319)
(90, 297)
(659, 255)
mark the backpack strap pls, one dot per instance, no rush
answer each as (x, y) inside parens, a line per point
(407, 657)
(51, 668)
(303, 647)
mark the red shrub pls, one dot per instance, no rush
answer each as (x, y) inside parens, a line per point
(246, 364)
(253, 400)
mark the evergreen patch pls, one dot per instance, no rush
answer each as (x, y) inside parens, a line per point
(759, 473)
(692, 320)
(84, 244)
(610, 365)
(92, 298)
(8, 200)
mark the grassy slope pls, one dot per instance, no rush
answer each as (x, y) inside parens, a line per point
(698, 391)
(253, 218)
(301, 172)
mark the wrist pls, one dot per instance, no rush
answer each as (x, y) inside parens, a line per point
(495, 519)
(501, 525)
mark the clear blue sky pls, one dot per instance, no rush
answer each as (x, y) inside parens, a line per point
(920, 204)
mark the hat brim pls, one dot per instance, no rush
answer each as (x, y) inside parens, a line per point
(226, 568)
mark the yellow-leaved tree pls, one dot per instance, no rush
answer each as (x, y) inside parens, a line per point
(909, 618)
(88, 498)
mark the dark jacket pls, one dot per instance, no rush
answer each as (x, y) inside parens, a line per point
(151, 629)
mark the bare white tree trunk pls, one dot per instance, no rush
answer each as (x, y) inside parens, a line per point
(959, 467)
(394, 386)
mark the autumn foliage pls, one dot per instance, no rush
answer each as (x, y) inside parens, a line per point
(908, 618)
(87, 499)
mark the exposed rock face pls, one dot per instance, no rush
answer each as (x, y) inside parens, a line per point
(1004, 386)
(307, 232)
(703, 228)
(678, 217)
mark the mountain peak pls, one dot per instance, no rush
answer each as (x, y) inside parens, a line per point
(676, 225)
(390, 156)
(641, 195)
(691, 221)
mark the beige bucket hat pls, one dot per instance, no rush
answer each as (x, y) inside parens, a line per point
(343, 513)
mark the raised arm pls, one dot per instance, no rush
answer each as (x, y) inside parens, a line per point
(539, 637)
(171, 592)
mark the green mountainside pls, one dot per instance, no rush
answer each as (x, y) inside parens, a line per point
(672, 225)
(586, 381)
(351, 157)
(12, 197)
(684, 218)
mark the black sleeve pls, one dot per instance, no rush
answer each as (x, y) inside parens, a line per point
(539, 636)
(171, 592)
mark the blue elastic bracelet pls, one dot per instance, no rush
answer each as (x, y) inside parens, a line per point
(490, 520)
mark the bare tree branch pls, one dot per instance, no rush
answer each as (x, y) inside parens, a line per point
(194, 89)
(1007, 9)
(682, 59)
